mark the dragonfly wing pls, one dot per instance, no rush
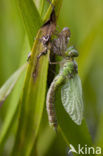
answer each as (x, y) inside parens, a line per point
(71, 95)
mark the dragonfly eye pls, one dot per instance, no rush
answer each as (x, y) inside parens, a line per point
(71, 52)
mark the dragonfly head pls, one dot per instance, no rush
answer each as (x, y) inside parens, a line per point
(71, 52)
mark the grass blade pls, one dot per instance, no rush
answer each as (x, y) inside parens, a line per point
(6, 89)
(32, 102)
(12, 111)
(31, 18)
(57, 4)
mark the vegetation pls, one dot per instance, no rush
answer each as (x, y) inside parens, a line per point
(24, 128)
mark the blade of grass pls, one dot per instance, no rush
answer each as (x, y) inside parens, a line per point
(32, 102)
(12, 112)
(57, 5)
(6, 89)
(39, 4)
(31, 18)
(29, 14)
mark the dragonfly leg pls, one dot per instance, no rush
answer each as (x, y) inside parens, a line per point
(42, 53)
(50, 62)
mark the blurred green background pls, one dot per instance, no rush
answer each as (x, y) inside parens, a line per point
(85, 20)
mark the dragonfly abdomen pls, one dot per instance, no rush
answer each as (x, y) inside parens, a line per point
(50, 102)
(51, 106)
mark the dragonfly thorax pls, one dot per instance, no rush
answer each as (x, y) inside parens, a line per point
(68, 67)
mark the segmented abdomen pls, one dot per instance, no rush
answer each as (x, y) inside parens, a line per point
(50, 102)
(51, 106)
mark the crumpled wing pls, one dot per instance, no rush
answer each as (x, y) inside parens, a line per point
(71, 95)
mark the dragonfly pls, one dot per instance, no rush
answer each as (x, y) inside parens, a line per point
(68, 79)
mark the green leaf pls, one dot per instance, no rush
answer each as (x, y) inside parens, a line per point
(12, 111)
(57, 4)
(32, 102)
(6, 89)
(72, 133)
(31, 18)
(39, 4)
